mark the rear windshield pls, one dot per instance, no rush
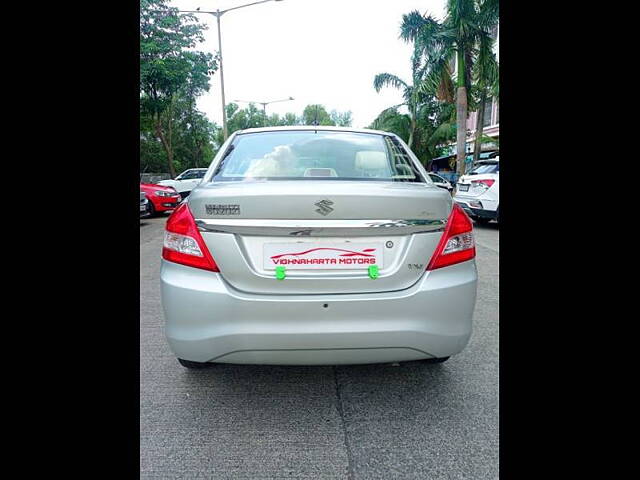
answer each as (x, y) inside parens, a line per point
(316, 155)
(486, 168)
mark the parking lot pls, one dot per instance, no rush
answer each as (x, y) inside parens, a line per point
(346, 422)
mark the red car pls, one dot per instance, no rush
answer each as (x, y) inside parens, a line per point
(161, 199)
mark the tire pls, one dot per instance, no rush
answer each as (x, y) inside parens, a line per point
(482, 221)
(152, 210)
(436, 360)
(193, 365)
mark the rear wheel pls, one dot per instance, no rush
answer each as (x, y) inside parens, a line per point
(436, 360)
(193, 365)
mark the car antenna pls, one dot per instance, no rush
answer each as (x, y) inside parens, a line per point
(315, 121)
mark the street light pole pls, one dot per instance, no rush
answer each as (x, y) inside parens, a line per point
(264, 106)
(218, 13)
(224, 107)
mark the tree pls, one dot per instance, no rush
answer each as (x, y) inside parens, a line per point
(391, 120)
(316, 115)
(194, 139)
(434, 125)
(410, 92)
(440, 43)
(169, 67)
(341, 119)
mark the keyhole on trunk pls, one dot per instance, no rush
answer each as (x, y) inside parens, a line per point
(326, 305)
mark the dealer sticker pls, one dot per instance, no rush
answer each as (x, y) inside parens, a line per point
(323, 256)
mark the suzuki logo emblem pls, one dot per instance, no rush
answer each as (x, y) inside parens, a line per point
(324, 207)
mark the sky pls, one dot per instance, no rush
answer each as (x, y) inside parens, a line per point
(316, 51)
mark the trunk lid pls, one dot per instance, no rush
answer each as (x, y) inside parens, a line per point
(325, 233)
(467, 188)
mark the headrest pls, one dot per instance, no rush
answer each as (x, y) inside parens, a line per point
(371, 160)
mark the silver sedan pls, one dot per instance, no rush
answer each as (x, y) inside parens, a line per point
(317, 246)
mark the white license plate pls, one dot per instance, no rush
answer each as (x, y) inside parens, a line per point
(463, 188)
(322, 256)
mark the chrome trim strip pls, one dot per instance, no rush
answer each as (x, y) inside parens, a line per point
(319, 228)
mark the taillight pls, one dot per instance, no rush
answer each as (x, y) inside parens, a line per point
(457, 244)
(183, 243)
(485, 183)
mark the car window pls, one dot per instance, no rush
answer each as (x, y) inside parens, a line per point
(486, 168)
(191, 174)
(436, 178)
(315, 155)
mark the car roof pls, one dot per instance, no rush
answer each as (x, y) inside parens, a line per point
(312, 128)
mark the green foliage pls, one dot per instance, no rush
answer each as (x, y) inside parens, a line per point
(341, 119)
(435, 125)
(195, 140)
(253, 117)
(465, 36)
(172, 76)
(167, 63)
(316, 115)
(391, 120)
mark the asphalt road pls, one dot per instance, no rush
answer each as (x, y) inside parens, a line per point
(347, 422)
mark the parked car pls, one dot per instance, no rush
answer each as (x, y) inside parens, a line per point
(449, 176)
(144, 208)
(478, 192)
(161, 199)
(186, 181)
(438, 181)
(313, 246)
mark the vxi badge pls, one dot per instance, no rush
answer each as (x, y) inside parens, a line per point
(324, 207)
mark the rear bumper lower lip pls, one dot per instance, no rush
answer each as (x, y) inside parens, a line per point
(207, 320)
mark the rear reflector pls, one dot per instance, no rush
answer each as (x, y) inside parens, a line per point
(457, 244)
(183, 243)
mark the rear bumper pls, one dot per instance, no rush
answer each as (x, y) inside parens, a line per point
(207, 320)
(478, 207)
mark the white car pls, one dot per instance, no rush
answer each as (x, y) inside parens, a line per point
(186, 181)
(438, 181)
(478, 192)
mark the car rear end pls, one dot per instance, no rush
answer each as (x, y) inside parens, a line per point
(144, 208)
(351, 256)
(478, 192)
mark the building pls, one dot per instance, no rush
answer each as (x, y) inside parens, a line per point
(491, 119)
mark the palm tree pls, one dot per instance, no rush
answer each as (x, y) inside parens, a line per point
(410, 93)
(391, 120)
(442, 42)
